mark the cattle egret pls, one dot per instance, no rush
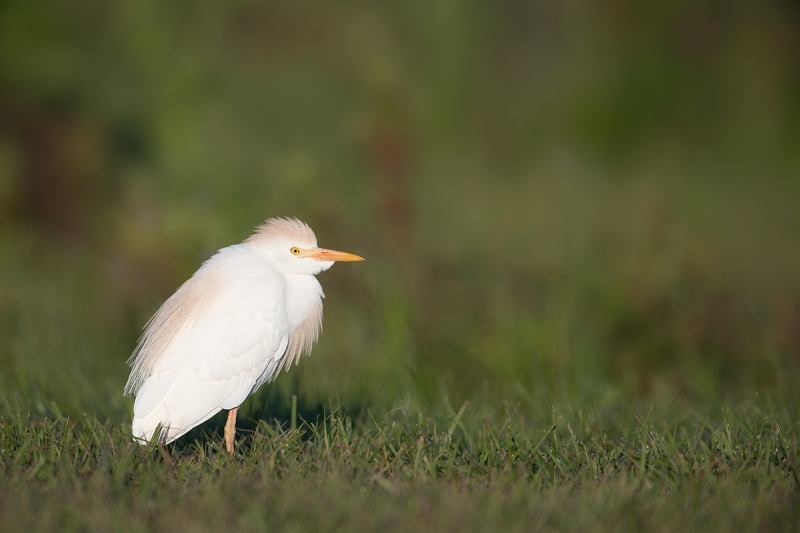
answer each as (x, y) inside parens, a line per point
(250, 311)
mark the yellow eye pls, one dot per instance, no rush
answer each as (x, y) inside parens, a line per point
(295, 250)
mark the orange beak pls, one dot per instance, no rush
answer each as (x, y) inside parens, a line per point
(321, 254)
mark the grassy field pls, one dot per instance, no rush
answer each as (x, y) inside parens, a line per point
(449, 469)
(600, 401)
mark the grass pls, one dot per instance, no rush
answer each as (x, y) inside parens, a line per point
(471, 468)
(612, 386)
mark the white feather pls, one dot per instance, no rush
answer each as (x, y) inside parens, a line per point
(241, 318)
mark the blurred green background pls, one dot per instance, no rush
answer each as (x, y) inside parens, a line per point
(559, 202)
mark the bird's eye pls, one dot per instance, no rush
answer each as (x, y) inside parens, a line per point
(295, 250)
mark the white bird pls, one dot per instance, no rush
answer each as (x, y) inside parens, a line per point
(247, 313)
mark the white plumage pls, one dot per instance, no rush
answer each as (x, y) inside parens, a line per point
(250, 310)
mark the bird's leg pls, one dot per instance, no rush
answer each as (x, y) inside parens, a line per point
(165, 453)
(230, 430)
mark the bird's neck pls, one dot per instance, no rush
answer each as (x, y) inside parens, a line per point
(303, 298)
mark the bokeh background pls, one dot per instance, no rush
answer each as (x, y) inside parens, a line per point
(560, 203)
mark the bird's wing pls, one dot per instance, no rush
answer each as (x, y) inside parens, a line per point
(218, 352)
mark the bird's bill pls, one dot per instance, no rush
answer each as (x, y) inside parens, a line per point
(322, 254)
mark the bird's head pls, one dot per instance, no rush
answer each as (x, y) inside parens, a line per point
(292, 247)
